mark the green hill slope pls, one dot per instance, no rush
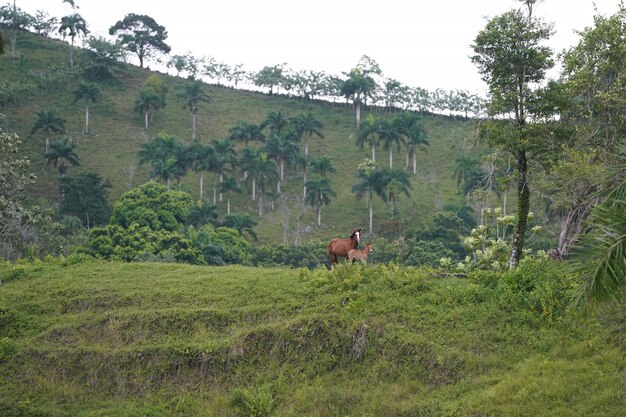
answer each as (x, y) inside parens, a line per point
(117, 134)
(115, 339)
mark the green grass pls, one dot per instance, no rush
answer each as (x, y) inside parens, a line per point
(117, 134)
(116, 339)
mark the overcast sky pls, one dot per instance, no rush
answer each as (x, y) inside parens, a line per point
(422, 43)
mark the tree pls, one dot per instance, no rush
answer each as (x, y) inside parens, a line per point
(151, 97)
(73, 25)
(269, 77)
(322, 166)
(246, 132)
(229, 185)
(263, 172)
(48, 121)
(84, 195)
(306, 125)
(43, 23)
(141, 35)
(468, 172)
(319, 193)
(282, 147)
(396, 182)
(371, 181)
(103, 59)
(360, 85)
(390, 137)
(152, 205)
(276, 122)
(242, 223)
(62, 150)
(414, 133)
(511, 58)
(202, 159)
(227, 159)
(169, 158)
(191, 94)
(88, 92)
(369, 133)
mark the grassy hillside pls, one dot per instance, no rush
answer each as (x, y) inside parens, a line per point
(117, 134)
(114, 339)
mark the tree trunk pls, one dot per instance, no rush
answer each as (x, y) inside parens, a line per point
(193, 123)
(390, 158)
(358, 115)
(319, 214)
(414, 163)
(201, 184)
(221, 182)
(260, 204)
(146, 118)
(373, 152)
(369, 198)
(228, 204)
(304, 187)
(523, 207)
(86, 120)
(253, 189)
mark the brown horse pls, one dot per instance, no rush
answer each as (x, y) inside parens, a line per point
(340, 247)
(361, 255)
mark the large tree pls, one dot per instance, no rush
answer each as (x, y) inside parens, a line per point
(512, 59)
(72, 26)
(84, 195)
(141, 35)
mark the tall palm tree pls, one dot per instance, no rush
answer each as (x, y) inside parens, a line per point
(60, 150)
(306, 125)
(371, 181)
(163, 169)
(192, 94)
(48, 121)
(225, 150)
(89, 92)
(468, 172)
(369, 133)
(201, 159)
(243, 223)
(318, 194)
(389, 137)
(414, 134)
(73, 25)
(247, 162)
(263, 172)
(147, 103)
(283, 148)
(229, 186)
(246, 132)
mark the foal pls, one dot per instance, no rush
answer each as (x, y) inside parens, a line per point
(361, 255)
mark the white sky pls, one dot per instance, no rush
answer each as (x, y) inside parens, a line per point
(422, 43)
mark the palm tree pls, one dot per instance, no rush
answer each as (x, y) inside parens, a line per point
(201, 159)
(243, 223)
(168, 157)
(164, 169)
(48, 121)
(229, 185)
(202, 213)
(371, 181)
(246, 132)
(467, 172)
(263, 171)
(369, 133)
(60, 150)
(397, 182)
(72, 25)
(247, 162)
(389, 137)
(191, 94)
(318, 194)
(322, 166)
(275, 121)
(600, 256)
(282, 147)
(414, 134)
(225, 151)
(358, 87)
(306, 125)
(87, 91)
(147, 103)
